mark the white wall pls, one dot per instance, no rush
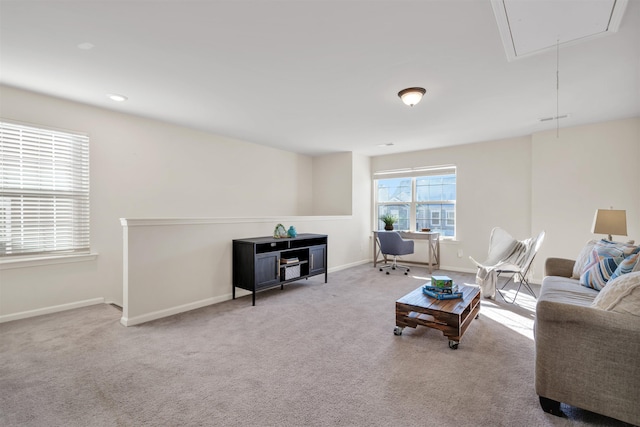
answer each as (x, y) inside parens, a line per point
(142, 168)
(332, 184)
(586, 168)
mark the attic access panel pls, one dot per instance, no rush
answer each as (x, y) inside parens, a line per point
(531, 27)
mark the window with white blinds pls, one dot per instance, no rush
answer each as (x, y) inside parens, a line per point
(44, 191)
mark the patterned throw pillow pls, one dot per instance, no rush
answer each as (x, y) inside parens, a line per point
(627, 265)
(583, 257)
(603, 262)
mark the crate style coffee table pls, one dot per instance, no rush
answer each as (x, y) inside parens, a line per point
(452, 317)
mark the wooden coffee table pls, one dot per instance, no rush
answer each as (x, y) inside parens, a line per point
(452, 317)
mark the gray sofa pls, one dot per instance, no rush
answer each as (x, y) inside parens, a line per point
(585, 356)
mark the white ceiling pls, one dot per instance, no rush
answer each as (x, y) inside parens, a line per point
(319, 76)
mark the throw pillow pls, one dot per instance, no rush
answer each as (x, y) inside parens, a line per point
(621, 295)
(627, 265)
(603, 261)
(581, 261)
(599, 270)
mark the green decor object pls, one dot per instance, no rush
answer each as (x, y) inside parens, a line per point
(389, 220)
(279, 231)
(442, 282)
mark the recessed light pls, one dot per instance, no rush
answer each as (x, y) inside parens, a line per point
(116, 97)
(86, 46)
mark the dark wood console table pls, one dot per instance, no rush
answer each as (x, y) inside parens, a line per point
(260, 263)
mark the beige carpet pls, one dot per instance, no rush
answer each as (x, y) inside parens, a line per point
(314, 354)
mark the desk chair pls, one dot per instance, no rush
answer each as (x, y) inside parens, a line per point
(391, 243)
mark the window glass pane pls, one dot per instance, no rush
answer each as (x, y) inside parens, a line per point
(437, 217)
(399, 211)
(394, 190)
(435, 188)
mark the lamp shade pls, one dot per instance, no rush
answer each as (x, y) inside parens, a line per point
(610, 222)
(411, 96)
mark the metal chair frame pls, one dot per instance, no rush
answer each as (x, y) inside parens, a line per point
(521, 273)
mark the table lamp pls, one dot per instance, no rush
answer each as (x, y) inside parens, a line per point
(610, 221)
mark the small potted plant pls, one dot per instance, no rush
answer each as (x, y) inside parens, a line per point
(389, 220)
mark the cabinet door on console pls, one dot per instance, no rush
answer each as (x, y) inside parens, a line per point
(267, 266)
(317, 256)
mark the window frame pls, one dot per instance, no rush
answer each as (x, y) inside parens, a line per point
(44, 181)
(416, 173)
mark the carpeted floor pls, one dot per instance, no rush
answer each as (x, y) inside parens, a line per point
(314, 354)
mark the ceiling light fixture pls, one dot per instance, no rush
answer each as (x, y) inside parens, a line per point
(411, 96)
(116, 97)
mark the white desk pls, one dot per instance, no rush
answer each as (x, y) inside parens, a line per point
(433, 242)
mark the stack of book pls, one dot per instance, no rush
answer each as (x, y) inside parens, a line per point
(441, 287)
(289, 260)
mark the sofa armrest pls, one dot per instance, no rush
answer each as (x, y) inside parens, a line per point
(558, 267)
(587, 357)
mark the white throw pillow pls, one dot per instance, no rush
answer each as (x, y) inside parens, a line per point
(621, 295)
(582, 259)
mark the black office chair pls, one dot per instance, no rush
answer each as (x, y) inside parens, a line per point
(391, 243)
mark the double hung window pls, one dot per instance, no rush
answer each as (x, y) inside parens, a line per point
(44, 191)
(419, 198)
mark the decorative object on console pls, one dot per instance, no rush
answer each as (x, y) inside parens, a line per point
(610, 222)
(292, 232)
(279, 231)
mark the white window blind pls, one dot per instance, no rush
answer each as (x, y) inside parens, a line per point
(44, 191)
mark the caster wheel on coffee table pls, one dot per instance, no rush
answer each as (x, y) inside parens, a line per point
(397, 330)
(453, 345)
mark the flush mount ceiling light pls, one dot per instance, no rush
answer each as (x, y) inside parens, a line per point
(411, 96)
(116, 97)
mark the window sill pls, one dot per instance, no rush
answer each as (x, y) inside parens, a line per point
(35, 261)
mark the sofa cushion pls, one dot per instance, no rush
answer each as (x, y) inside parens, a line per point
(566, 290)
(621, 295)
(603, 262)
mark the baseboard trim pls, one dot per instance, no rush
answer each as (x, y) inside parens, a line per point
(159, 314)
(345, 266)
(49, 310)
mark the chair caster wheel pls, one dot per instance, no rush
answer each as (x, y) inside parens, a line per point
(380, 269)
(453, 345)
(393, 268)
(406, 274)
(397, 331)
(387, 272)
